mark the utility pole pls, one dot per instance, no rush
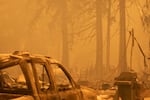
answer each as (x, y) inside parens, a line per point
(122, 44)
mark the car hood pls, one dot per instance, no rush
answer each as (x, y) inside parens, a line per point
(89, 93)
(27, 97)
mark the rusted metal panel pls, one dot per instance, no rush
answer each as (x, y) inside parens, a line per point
(123, 83)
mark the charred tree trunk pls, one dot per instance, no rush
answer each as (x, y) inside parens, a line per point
(65, 48)
(108, 36)
(122, 46)
(99, 41)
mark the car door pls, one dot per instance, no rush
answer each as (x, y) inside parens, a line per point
(44, 83)
(64, 84)
(13, 83)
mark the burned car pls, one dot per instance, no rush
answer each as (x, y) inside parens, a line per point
(35, 77)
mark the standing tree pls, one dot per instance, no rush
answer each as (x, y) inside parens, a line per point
(99, 41)
(65, 46)
(108, 35)
(122, 46)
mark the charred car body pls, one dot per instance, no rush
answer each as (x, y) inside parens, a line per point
(35, 77)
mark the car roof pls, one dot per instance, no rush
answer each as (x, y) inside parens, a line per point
(15, 57)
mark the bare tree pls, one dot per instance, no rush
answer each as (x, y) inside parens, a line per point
(99, 41)
(122, 46)
(108, 35)
(65, 46)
